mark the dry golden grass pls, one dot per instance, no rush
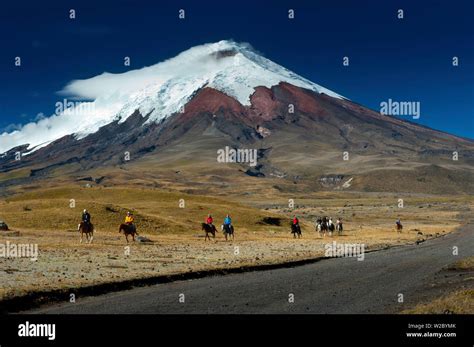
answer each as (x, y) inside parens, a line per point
(459, 302)
(464, 264)
(155, 211)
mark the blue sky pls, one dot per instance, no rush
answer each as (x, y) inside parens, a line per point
(405, 60)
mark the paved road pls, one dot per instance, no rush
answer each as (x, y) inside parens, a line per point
(340, 285)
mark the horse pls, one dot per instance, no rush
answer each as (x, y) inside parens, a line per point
(228, 230)
(322, 226)
(399, 227)
(88, 229)
(339, 227)
(331, 228)
(296, 230)
(209, 229)
(317, 225)
(128, 229)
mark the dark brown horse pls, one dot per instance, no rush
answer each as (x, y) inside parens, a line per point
(399, 227)
(88, 229)
(296, 230)
(128, 229)
(209, 229)
(228, 231)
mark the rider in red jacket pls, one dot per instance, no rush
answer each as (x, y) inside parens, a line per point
(295, 221)
(209, 219)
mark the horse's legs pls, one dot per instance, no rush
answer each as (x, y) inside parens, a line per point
(81, 236)
(126, 237)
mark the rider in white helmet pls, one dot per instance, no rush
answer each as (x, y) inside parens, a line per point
(86, 217)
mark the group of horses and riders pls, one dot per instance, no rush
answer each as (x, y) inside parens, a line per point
(323, 226)
(209, 228)
(86, 227)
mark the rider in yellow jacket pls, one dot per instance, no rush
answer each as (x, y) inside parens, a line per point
(129, 218)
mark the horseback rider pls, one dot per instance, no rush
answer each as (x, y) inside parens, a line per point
(227, 220)
(398, 222)
(228, 223)
(209, 220)
(129, 219)
(86, 217)
(296, 222)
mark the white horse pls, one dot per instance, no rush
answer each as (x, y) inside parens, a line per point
(319, 228)
(330, 226)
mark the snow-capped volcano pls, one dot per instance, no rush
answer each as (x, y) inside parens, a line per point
(172, 118)
(158, 91)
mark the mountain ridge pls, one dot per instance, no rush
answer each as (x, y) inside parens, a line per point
(307, 144)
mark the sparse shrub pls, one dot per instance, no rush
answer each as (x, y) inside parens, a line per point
(271, 221)
(110, 209)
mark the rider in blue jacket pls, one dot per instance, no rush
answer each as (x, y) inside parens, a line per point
(227, 220)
